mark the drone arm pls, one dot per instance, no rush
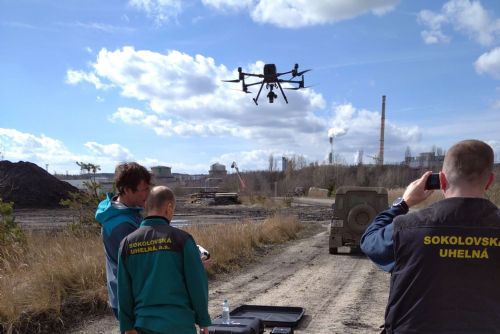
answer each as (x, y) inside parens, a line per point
(290, 81)
(253, 75)
(254, 83)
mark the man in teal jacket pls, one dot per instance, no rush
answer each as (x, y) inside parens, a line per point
(162, 284)
(119, 216)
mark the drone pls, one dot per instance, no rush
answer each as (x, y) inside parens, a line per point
(271, 79)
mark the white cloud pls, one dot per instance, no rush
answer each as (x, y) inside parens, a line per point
(251, 160)
(114, 151)
(161, 11)
(489, 63)
(295, 14)
(496, 104)
(75, 77)
(364, 133)
(186, 96)
(465, 16)
(25, 146)
(102, 27)
(42, 150)
(228, 4)
(282, 13)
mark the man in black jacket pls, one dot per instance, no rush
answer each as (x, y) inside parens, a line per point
(445, 259)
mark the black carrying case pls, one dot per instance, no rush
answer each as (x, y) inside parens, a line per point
(272, 316)
(238, 325)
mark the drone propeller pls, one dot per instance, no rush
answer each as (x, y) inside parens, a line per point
(235, 80)
(301, 72)
(296, 88)
(239, 90)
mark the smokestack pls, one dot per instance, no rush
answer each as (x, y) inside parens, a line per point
(382, 127)
(330, 156)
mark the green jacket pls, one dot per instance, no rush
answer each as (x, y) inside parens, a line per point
(162, 284)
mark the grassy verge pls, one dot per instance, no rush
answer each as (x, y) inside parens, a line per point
(265, 201)
(230, 245)
(54, 280)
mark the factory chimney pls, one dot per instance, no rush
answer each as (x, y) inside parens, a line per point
(330, 155)
(382, 128)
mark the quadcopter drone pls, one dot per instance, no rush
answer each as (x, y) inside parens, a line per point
(271, 79)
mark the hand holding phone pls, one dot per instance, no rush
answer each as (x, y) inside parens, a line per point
(432, 182)
(204, 254)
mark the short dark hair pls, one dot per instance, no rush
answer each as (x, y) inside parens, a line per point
(468, 161)
(158, 197)
(129, 175)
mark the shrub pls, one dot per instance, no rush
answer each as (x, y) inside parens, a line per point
(11, 235)
(84, 203)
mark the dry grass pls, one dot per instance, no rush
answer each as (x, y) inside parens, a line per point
(57, 277)
(51, 272)
(230, 245)
(263, 201)
(493, 194)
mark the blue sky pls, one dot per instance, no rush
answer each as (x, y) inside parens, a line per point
(110, 81)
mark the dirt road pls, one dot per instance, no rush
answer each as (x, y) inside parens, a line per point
(340, 293)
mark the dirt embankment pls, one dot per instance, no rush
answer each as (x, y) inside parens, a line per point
(341, 293)
(29, 186)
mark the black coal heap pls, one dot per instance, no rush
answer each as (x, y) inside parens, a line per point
(29, 186)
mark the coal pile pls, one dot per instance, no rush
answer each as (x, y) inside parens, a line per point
(30, 186)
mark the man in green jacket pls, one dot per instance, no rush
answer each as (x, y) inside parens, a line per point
(162, 284)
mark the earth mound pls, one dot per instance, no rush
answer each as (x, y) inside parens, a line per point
(29, 186)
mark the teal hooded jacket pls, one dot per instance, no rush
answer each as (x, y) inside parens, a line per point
(117, 221)
(162, 284)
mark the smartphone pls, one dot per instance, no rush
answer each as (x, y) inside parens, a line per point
(433, 182)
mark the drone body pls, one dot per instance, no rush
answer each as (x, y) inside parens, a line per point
(271, 78)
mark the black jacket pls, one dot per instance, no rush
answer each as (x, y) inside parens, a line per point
(446, 277)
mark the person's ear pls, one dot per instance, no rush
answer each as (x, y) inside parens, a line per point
(169, 208)
(490, 180)
(126, 190)
(443, 181)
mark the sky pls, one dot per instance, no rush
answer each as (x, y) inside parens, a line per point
(141, 80)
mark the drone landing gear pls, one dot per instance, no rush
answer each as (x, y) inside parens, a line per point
(257, 97)
(282, 92)
(271, 95)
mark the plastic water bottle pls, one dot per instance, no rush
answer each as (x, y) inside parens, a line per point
(225, 313)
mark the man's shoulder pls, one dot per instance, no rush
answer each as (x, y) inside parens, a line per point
(417, 217)
(179, 235)
(469, 211)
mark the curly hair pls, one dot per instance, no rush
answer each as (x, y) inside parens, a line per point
(129, 175)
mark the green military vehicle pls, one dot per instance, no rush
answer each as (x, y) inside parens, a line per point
(353, 211)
